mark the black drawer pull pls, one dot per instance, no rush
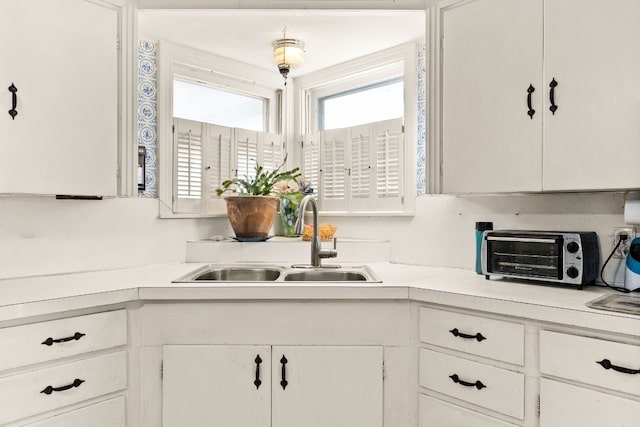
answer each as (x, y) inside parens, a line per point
(284, 381)
(478, 337)
(606, 364)
(49, 389)
(257, 382)
(50, 341)
(530, 111)
(14, 101)
(456, 379)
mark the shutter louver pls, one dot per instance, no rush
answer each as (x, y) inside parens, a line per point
(188, 137)
(272, 151)
(311, 160)
(218, 158)
(360, 163)
(389, 159)
(246, 153)
(333, 166)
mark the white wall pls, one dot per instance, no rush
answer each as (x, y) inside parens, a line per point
(41, 235)
(442, 231)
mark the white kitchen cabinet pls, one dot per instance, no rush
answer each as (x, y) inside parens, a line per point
(493, 51)
(449, 366)
(606, 365)
(50, 366)
(564, 404)
(314, 386)
(62, 57)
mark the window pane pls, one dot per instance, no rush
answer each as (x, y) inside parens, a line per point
(204, 104)
(364, 105)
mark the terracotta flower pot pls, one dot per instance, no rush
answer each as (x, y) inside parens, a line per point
(251, 216)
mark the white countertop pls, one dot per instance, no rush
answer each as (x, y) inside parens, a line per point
(34, 296)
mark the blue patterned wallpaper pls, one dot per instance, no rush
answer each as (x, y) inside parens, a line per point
(421, 155)
(147, 114)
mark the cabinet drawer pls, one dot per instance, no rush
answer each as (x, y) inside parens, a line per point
(567, 405)
(25, 394)
(576, 358)
(436, 413)
(495, 339)
(34, 343)
(109, 413)
(503, 390)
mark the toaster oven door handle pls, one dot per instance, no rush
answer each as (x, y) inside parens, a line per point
(522, 239)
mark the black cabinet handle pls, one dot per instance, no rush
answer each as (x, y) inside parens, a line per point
(478, 337)
(14, 101)
(49, 389)
(606, 364)
(284, 381)
(531, 111)
(50, 341)
(257, 382)
(456, 379)
(552, 92)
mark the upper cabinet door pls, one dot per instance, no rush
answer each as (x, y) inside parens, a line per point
(592, 51)
(492, 55)
(62, 57)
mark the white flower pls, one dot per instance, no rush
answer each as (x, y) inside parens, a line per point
(287, 186)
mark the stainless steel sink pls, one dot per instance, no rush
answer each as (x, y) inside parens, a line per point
(232, 273)
(275, 273)
(325, 276)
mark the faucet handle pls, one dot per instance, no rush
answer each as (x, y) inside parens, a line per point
(335, 243)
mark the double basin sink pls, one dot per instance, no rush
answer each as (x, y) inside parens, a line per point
(277, 273)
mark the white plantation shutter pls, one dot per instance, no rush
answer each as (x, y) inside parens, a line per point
(272, 151)
(187, 137)
(207, 154)
(218, 164)
(246, 153)
(389, 167)
(332, 194)
(361, 169)
(311, 160)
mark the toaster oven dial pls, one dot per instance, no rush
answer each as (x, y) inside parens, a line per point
(573, 247)
(572, 272)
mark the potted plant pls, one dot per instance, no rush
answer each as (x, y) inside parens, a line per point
(253, 207)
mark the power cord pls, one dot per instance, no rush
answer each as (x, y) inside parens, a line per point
(623, 238)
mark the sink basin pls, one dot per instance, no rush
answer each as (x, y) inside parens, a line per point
(235, 273)
(325, 276)
(214, 273)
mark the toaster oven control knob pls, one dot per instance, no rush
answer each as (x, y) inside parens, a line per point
(572, 272)
(573, 247)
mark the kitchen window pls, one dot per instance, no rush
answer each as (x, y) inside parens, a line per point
(214, 125)
(357, 149)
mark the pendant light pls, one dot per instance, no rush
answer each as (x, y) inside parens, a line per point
(287, 54)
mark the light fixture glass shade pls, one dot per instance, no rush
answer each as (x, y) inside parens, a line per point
(288, 52)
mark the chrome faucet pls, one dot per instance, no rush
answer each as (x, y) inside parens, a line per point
(317, 253)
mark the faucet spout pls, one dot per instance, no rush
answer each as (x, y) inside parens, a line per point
(317, 253)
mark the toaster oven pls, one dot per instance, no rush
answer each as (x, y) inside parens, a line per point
(570, 258)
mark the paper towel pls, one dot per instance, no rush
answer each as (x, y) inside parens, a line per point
(632, 208)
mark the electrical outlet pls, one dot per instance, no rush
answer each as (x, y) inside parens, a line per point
(622, 250)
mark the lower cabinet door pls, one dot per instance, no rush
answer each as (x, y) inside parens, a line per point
(209, 385)
(568, 405)
(110, 413)
(436, 413)
(327, 386)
